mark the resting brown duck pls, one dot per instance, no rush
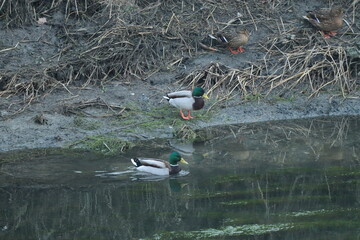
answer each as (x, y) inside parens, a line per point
(326, 20)
(232, 40)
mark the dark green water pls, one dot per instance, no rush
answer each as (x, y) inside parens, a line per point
(282, 180)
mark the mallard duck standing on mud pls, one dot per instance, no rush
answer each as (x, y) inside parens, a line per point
(326, 20)
(187, 100)
(158, 166)
(234, 41)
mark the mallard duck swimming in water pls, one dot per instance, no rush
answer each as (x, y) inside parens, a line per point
(158, 166)
(187, 100)
(232, 40)
(326, 20)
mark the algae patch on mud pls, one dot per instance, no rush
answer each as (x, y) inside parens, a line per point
(85, 124)
(104, 144)
(159, 119)
(163, 119)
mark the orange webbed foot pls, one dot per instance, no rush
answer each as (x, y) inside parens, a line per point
(183, 116)
(233, 51)
(328, 34)
(189, 115)
(240, 49)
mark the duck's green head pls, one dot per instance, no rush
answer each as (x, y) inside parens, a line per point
(199, 92)
(175, 157)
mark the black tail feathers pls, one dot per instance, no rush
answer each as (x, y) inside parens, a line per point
(136, 162)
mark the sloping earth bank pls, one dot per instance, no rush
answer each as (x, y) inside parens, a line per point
(131, 107)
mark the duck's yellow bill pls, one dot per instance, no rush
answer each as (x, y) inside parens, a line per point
(205, 96)
(183, 161)
(205, 154)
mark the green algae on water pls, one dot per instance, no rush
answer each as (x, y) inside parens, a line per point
(229, 231)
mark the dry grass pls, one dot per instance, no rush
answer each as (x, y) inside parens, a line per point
(17, 13)
(310, 70)
(294, 58)
(78, 108)
(227, 80)
(134, 39)
(130, 39)
(308, 61)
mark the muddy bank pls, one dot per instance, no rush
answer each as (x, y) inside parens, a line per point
(145, 115)
(69, 82)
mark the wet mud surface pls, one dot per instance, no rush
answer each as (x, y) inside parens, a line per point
(132, 108)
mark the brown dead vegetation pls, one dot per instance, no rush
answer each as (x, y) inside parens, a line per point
(134, 39)
(79, 108)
